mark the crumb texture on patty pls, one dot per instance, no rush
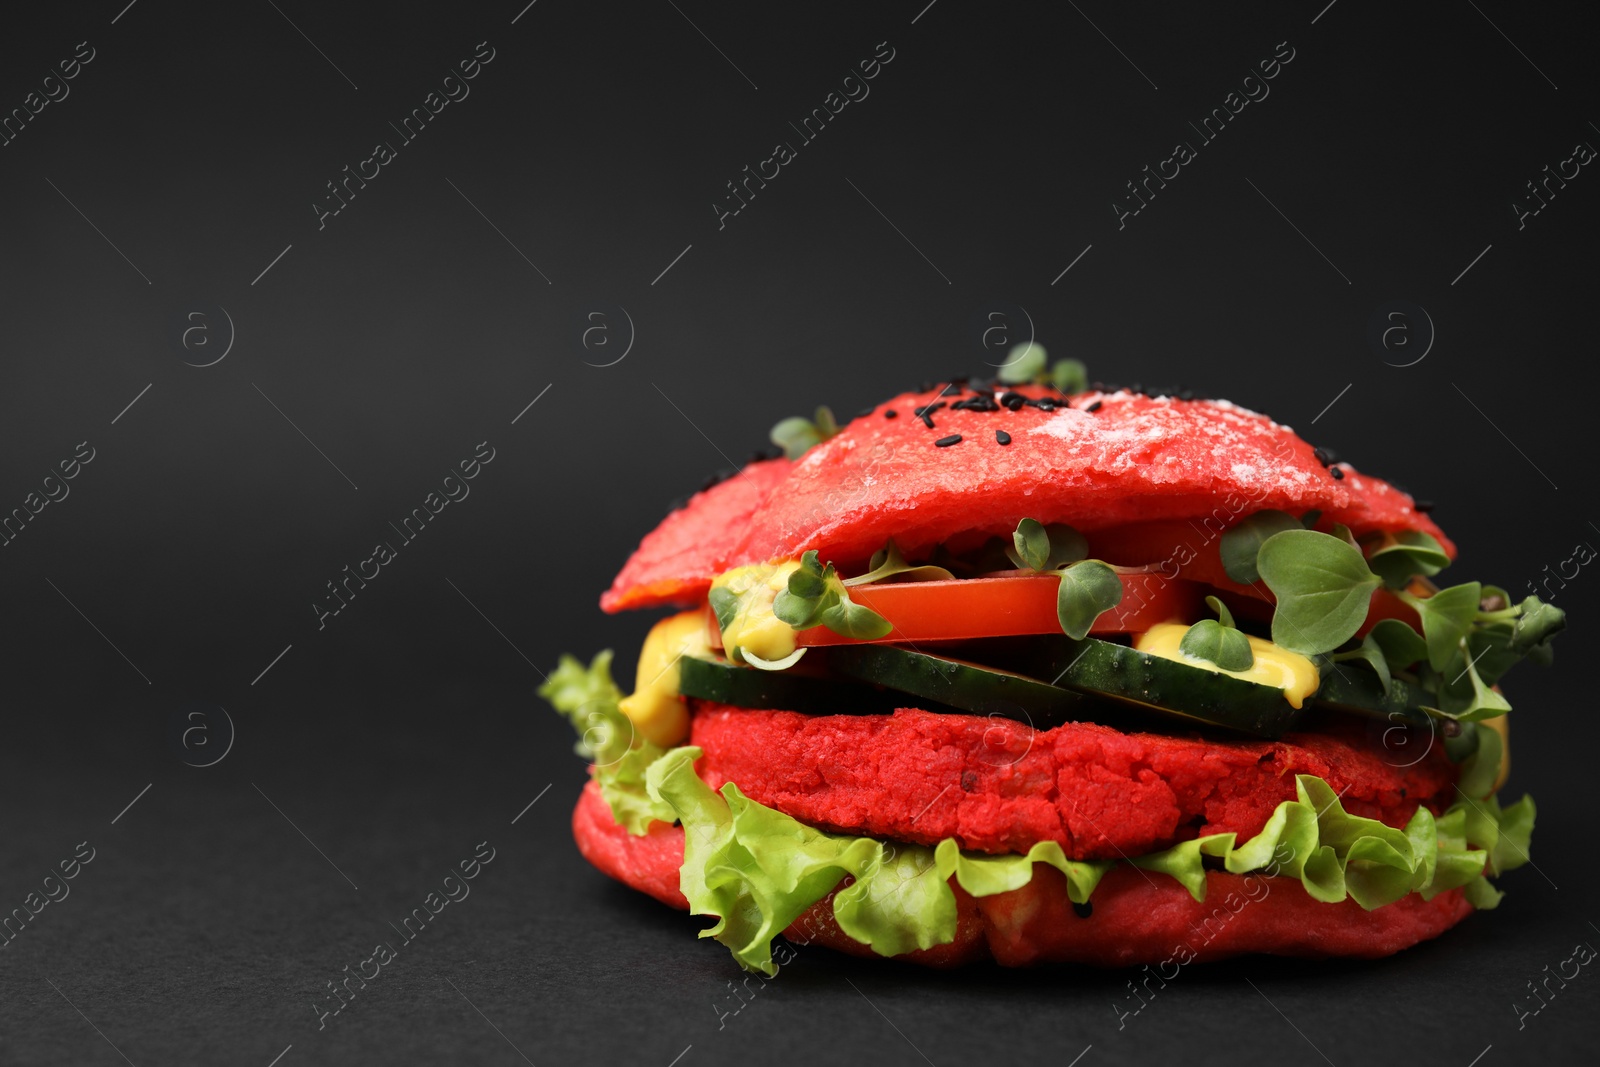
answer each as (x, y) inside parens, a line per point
(999, 786)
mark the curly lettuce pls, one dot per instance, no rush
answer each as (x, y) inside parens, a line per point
(756, 870)
(1337, 855)
(589, 698)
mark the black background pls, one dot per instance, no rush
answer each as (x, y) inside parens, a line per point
(188, 554)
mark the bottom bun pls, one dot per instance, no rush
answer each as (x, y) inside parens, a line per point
(1134, 917)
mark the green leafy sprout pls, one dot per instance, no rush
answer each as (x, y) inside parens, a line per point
(816, 596)
(1324, 583)
(888, 563)
(1218, 640)
(796, 434)
(1028, 362)
(1089, 587)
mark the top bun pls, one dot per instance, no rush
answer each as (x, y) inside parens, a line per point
(1097, 461)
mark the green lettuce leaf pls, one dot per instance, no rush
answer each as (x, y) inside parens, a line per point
(1457, 865)
(1482, 895)
(584, 695)
(623, 787)
(984, 875)
(1183, 861)
(757, 870)
(1482, 767)
(1336, 854)
(588, 697)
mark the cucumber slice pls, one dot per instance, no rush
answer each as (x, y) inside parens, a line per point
(795, 689)
(1354, 689)
(1132, 677)
(960, 684)
(1096, 681)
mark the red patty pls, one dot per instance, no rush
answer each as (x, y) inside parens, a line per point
(1134, 918)
(999, 786)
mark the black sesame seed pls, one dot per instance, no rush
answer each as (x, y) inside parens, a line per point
(1003, 437)
(863, 413)
(1185, 394)
(1012, 400)
(890, 413)
(946, 442)
(1337, 473)
(925, 412)
(1084, 910)
(1093, 407)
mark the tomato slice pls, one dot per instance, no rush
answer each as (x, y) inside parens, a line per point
(1385, 605)
(967, 608)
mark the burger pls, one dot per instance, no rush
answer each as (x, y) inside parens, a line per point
(1031, 670)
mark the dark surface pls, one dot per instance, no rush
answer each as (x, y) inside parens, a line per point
(191, 549)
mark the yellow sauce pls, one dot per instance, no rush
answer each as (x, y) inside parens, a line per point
(1274, 666)
(655, 708)
(754, 628)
